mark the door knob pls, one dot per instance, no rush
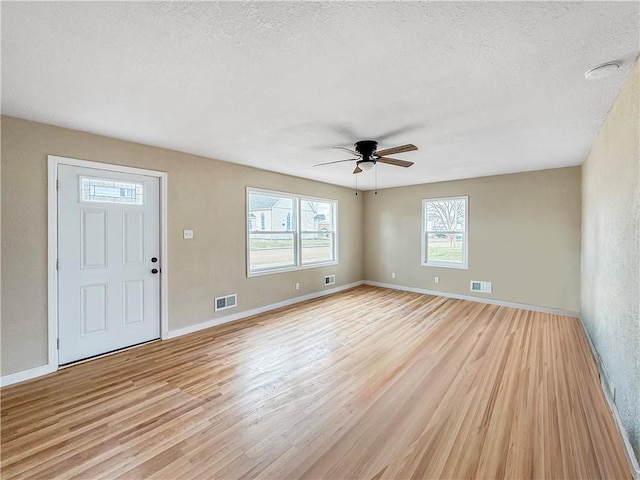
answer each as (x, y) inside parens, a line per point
(154, 259)
(154, 271)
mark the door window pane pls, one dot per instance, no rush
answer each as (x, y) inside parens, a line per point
(111, 191)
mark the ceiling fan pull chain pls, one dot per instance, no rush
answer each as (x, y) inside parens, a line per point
(376, 176)
(356, 184)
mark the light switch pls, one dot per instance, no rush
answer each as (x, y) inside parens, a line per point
(188, 234)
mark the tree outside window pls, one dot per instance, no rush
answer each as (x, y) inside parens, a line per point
(445, 232)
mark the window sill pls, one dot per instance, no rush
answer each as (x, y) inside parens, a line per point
(446, 265)
(289, 269)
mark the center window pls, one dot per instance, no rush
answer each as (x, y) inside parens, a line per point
(289, 232)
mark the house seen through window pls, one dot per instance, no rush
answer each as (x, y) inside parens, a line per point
(293, 231)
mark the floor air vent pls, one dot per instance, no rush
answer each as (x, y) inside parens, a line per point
(484, 287)
(329, 279)
(230, 301)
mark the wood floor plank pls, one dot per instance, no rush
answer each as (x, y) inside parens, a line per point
(367, 383)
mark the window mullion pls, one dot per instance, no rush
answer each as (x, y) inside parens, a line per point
(298, 236)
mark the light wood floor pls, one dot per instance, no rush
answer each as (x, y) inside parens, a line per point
(369, 383)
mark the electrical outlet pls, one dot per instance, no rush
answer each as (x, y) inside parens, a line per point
(297, 286)
(188, 234)
(393, 274)
(436, 279)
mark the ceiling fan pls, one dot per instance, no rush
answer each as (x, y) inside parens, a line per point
(367, 155)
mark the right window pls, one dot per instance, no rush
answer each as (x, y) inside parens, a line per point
(444, 232)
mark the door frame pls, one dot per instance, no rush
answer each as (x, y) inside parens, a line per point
(52, 244)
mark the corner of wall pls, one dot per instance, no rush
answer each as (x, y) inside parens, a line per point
(610, 262)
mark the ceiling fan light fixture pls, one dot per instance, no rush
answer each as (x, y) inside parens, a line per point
(366, 165)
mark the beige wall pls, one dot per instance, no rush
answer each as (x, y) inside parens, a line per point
(611, 251)
(524, 234)
(205, 195)
(524, 237)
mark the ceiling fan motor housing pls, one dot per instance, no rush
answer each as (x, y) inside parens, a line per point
(366, 148)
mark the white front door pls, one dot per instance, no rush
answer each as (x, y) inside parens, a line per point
(109, 268)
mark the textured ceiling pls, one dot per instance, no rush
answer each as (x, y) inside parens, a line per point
(480, 87)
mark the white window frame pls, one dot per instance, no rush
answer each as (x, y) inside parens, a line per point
(465, 251)
(297, 233)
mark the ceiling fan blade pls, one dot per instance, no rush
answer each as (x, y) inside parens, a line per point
(395, 161)
(357, 170)
(352, 152)
(403, 148)
(337, 161)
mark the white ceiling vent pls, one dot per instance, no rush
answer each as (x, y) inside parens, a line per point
(230, 301)
(329, 279)
(483, 287)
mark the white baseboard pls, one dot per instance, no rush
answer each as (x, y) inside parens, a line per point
(631, 457)
(46, 369)
(633, 461)
(256, 311)
(490, 301)
(26, 375)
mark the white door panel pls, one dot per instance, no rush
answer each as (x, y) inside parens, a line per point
(108, 234)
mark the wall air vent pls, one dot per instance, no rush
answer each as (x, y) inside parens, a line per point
(483, 287)
(222, 303)
(329, 279)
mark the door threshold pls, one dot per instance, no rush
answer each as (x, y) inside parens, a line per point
(106, 354)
